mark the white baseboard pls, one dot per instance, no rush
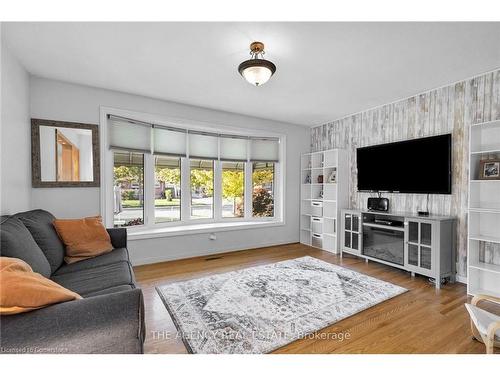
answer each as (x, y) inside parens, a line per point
(461, 279)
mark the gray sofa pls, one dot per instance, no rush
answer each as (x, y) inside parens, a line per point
(109, 318)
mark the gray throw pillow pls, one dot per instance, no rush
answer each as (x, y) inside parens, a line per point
(39, 223)
(16, 242)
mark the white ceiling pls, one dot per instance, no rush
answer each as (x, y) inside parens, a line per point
(324, 70)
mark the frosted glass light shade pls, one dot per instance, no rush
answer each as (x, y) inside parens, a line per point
(257, 75)
(257, 71)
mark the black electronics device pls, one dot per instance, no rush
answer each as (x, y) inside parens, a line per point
(383, 222)
(378, 204)
(418, 166)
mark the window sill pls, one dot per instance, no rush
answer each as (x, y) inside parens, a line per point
(199, 228)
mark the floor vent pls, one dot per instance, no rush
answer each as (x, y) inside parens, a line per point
(213, 258)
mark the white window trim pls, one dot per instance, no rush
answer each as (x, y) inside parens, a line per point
(196, 228)
(185, 225)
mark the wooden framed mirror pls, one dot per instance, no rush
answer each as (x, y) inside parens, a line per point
(64, 154)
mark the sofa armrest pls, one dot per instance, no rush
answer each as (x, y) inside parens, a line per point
(118, 237)
(111, 323)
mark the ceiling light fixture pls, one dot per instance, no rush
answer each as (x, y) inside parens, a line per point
(257, 70)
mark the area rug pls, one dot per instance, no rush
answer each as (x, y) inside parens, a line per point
(259, 309)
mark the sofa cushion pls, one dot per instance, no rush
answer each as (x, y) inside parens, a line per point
(84, 238)
(23, 290)
(117, 255)
(39, 223)
(98, 278)
(16, 241)
(114, 289)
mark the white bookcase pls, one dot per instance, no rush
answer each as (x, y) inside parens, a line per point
(321, 202)
(483, 275)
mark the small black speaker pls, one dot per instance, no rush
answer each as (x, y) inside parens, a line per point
(378, 204)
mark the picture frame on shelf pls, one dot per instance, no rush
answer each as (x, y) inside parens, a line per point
(489, 169)
(333, 176)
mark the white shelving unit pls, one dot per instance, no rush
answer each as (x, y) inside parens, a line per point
(483, 277)
(321, 202)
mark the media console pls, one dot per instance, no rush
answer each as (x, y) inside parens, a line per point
(420, 245)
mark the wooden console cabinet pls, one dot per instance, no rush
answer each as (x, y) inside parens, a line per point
(422, 245)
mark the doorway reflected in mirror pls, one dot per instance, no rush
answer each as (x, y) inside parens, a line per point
(64, 154)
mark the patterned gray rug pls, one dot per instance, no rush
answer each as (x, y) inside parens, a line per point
(259, 309)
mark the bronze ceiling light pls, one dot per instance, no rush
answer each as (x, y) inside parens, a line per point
(257, 70)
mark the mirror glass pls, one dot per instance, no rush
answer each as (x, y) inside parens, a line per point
(66, 154)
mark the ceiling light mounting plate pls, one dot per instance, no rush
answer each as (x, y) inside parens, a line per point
(256, 47)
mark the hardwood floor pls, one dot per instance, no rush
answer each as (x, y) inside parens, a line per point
(422, 320)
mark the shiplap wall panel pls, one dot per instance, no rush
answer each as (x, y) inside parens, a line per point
(451, 109)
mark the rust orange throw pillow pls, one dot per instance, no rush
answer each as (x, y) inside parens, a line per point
(23, 290)
(84, 238)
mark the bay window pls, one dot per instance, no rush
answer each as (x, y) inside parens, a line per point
(233, 189)
(167, 193)
(128, 188)
(202, 188)
(171, 176)
(263, 189)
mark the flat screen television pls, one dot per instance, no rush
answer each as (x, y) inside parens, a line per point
(420, 165)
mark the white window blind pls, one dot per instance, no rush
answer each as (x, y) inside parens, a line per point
(233, 148)
(169, 141)
(129, 135)
(264, 149)
(134, 135)
(203, 145)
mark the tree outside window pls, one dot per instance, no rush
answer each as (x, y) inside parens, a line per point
(202, 189)
(233, 188)
(128, 189)
(167, 189)
(263, 189)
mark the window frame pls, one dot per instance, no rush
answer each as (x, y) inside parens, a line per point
(274, 191)
(154, 193)
(190, 217)
(143, 186)
(231, 218)
(106, 191)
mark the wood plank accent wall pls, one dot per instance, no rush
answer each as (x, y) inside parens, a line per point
(450, 109)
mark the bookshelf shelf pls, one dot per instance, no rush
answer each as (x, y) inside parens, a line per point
(483, 270)
(322, 199)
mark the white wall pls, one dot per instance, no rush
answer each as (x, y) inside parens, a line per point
(15, 135)
(67, 102)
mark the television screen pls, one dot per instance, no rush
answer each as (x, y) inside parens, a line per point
(416, 166)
